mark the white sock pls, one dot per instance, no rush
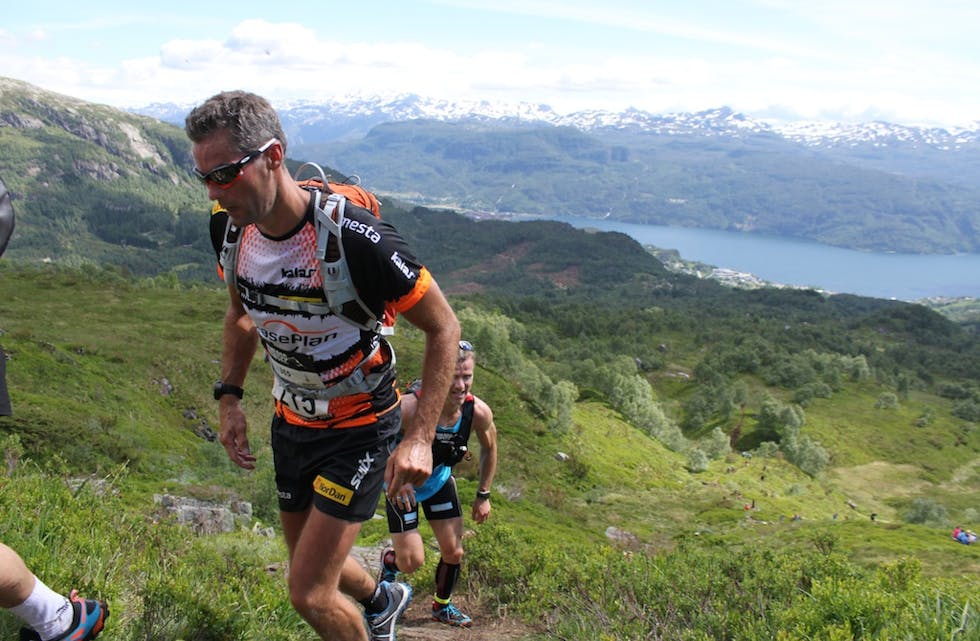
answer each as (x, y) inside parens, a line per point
(47, 612)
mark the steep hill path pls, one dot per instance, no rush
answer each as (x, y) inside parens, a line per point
(416, 623)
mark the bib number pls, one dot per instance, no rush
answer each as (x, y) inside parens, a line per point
(305, 406)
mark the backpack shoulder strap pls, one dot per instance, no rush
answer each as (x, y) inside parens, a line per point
(466, 422)
(224, 238)
(338, 285)
(342, 298)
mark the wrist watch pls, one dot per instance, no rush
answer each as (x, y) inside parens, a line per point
(480, 494)
(220, 389)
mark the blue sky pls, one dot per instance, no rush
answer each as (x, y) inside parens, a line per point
(904, 61)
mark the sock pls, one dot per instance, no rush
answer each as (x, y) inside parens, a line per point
(45, 611)
(446, 575)
(377, 602)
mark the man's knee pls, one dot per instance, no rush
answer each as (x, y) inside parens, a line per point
(453, 556)
(409, 561)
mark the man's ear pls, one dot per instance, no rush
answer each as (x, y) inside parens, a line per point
(275, 155)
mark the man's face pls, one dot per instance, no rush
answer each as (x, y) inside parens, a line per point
(462, 381)
(217, 159)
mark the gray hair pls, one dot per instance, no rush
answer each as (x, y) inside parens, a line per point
(249, 118)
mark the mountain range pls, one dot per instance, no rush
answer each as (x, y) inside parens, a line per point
(676, 457)
(874, 186)
(307, 122)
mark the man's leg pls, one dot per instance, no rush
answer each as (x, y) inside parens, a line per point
(355, 581)
(449, 533)
(319, 547)
(409, 550)
(16, 581)
(47, 613)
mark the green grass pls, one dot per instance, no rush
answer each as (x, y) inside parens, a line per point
(89, 355)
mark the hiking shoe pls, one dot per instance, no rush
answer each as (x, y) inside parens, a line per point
(449, 615)
(87, 621)
(387, 571)
(381, 626)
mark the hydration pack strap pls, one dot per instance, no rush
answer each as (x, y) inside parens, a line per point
(357, 382)
(342, 298)
(229, 252)
(338, 286)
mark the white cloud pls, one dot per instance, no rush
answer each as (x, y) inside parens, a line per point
(759, 56)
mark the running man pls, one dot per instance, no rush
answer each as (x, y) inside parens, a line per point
(461, 413)
(336, 422)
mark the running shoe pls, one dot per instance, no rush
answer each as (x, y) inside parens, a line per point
(382, 625)
(387, 571)
(87, 621)
(449, 615)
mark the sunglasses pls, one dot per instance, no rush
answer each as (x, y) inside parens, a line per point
(466, 346)
(224, 175)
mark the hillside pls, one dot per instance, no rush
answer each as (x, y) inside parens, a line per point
(134, 202)
(680, 457)
(95, 185)
(754, 182)
(114, 387)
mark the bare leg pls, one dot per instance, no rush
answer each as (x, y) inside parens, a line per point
(16, 581)
(449, 533)
(409, 550)
(319, 547)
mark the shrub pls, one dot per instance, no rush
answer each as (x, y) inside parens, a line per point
(887, 401)
(968, 410)
(697, 461)
(924, 510)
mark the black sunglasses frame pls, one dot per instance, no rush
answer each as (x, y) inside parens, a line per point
(225, 175)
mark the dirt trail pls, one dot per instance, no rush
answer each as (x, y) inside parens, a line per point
(416, 623)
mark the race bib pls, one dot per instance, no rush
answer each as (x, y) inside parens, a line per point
(305, 406)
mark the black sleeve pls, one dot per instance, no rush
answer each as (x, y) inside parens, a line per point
(382, 266)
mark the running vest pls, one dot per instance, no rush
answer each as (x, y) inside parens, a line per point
(342, 298)
(450, 443)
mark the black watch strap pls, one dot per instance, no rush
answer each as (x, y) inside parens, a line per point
(220, 389)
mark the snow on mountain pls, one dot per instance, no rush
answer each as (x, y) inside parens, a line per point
(876, 134)
(338, 118)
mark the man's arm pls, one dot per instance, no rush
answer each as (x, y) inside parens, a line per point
(411, 461)
(240, 340)
(486, 431)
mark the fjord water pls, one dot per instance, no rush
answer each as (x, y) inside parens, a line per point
(789, 261)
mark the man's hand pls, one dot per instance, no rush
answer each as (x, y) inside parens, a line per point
(234, 433)
(405, 498)
(411, 462)
(481, 510)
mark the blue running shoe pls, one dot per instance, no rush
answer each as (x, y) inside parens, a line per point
(449, 615)
(88, 619)
(382, 625)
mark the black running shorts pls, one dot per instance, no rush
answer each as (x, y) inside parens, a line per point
(340, 470)
(444, 504)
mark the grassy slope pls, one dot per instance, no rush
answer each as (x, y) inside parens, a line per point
(88, 361)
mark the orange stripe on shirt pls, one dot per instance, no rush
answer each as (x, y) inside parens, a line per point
(422, 284)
